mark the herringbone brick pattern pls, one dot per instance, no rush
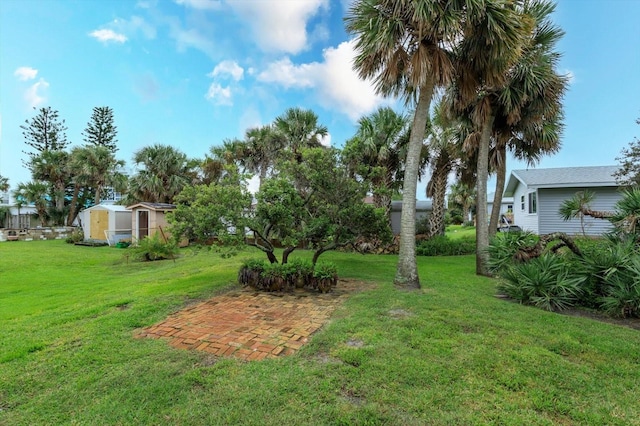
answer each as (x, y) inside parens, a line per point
(249, 325)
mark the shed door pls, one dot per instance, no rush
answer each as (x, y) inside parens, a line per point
(99, 223)
(143, 224)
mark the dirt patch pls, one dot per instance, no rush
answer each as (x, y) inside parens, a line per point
(596, 316)
(400, 313)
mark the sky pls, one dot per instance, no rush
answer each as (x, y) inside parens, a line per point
(192, 73)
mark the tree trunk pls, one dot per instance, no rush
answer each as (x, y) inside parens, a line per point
(407, 270)
(482, 172)
(286, 253)
(439, 182)
(501, 178)
(73, 206)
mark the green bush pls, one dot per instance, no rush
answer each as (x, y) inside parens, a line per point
(75, 237)
(441, 245)
(504, 245)
(622, 291)
(325, 277)
(545, 282)
(153, 248)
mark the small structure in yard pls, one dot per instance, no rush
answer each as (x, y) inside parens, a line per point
(148, 219)
(108, 223)
(423, 210)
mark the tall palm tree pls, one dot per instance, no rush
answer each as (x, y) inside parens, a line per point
(406, 47)
(300, 129)
(375, 154)
(481, 94)
(529, 106)
(164, 172)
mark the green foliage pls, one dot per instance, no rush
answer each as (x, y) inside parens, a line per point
(441, 245)
(325, 276)
(153, 248)
(205, 212)
(545, 282)
(622, 290)
(629, 173)
(5, 213)
(75, 237)
(503, 247)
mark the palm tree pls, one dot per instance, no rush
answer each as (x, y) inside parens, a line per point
(529, 106)
(261, 147)
(443, 143)
(34, 192)
(406, 47)
(478, 92)
(51, 167)
(463, 195)
(300, 129)
(164, 172)
(375, 154)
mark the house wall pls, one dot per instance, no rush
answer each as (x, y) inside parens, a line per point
(550, 200)
(396, 216)
(525, 220)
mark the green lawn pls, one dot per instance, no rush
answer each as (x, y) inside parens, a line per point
(451, 353)
(459, 231)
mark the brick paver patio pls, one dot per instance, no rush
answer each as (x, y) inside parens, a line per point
(249, 325)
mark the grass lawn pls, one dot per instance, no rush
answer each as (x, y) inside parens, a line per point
(459, 231)
(448, 354)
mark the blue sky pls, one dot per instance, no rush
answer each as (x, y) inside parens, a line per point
(191, 73)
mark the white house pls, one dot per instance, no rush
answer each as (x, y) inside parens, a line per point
(505, 206)
(539, 193)
(18, 217)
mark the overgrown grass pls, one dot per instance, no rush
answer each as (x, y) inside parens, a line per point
(450, 353)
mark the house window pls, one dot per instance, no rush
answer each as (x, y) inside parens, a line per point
(533, 202)
(522, 202)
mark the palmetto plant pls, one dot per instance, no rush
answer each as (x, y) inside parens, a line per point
(545, 282)
(622, 291)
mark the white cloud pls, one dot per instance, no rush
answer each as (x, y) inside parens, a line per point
(201, 4)
(219, 95)
(253, 184)
(287, 74)
(278, 25)
(228, 68)
(326, 141)
(25, 73)
(34, 96)
(336, 83)
(106, 35)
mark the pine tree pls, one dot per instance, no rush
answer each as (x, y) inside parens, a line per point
(44, 133)
(100, 130)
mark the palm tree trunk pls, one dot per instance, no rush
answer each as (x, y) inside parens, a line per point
(407, 270)
(439, 178)
(501, 178)
(482, 228)
(73, 205)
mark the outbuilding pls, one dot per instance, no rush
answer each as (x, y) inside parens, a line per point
(106, 222)
(148, 219)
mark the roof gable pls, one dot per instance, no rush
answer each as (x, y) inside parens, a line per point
(563, 177)
(153, 206)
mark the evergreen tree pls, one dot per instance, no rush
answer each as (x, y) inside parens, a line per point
(45, 132)
(100, 129)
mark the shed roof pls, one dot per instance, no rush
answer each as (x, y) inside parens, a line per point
(563, 177)
(110, 207)
(153, 206)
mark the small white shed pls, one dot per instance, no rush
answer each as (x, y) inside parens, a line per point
(106, 222)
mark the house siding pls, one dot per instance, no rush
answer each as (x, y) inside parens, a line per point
(550, 200)
(522, 218)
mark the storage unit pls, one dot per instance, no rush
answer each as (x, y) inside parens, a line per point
(106, 222)
(148, 219)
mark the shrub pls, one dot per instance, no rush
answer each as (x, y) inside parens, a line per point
(441, 245)
(622, 289)
(153, 248)
(250, 271)
(503, 247)
(75, 237)
(545, 282)
(325, 277)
